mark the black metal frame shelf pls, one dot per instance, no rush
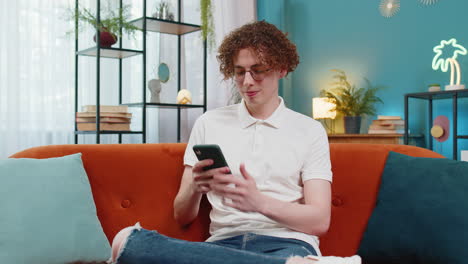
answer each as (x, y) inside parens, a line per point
(439, 94)
(165, 26)
(430, 96)
(164, 105)
(114, 53)
(146, 24)
(108, 132)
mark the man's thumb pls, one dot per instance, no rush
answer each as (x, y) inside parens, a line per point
(244, 172)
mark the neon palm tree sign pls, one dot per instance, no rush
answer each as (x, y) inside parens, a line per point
(443, 63)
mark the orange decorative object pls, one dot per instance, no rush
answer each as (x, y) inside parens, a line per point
(138, 183)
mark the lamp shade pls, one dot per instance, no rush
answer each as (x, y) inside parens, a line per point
(322, 107)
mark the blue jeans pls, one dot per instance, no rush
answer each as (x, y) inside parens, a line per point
(149, 247)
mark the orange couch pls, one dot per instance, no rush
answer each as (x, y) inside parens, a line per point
(138, 183)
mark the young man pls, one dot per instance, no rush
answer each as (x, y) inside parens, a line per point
(283, 187)
(273, 201)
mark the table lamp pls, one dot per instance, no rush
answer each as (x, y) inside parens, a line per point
(323, 110)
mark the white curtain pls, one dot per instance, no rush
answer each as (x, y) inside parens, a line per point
(36, 76)
(227, 15)
(37, 72)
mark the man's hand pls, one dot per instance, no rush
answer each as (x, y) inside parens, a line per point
(312, 218)
(201, 179)
(244, 196)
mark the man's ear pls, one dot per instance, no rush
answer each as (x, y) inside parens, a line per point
(283, 73)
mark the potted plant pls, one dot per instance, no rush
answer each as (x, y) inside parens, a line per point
(109, 25)
(163, 11)
(352, 102)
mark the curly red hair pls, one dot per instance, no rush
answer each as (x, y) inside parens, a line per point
(268, 43)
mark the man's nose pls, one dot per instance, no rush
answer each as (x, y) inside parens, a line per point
(248, 79)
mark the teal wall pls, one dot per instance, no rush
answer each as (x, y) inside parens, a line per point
(396, 52)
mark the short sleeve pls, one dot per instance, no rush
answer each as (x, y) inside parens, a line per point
(317, 163)
(197, 136)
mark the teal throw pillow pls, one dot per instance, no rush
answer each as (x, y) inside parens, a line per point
(47, 213)
(421, 215)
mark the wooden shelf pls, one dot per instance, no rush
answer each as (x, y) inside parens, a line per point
(369, 138)
(363, 135)
(164, 105)
(165, 26)
(114, 53)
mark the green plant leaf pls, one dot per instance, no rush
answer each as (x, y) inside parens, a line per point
(207, 24)
(111, 20)
(352, 101)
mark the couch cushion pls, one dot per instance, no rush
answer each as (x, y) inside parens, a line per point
(357, 170)
(48, 214)
(421, 213)
(133, 183)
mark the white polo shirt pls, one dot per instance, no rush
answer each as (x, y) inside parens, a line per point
(280, 153)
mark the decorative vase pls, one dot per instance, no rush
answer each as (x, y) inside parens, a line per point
(107, 39)
(352, 124)
(154, 85)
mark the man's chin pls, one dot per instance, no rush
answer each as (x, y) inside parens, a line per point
(251, 100)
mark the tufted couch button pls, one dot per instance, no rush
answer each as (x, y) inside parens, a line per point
(336, 201)
(126, 203)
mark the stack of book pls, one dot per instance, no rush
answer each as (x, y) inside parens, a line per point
(112, 118)
(387, 125)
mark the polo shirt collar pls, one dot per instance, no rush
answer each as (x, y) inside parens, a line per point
(274, 120)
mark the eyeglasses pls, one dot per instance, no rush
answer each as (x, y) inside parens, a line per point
(257, 74)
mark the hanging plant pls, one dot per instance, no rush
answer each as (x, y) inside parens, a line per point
(207, 25)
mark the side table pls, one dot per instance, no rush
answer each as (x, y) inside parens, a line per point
(366, 138)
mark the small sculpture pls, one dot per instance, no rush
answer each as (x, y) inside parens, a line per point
(163, 72)
(154, 85)
(163, 11)
(184, 97)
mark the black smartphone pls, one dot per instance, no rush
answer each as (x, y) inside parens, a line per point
(211, 151)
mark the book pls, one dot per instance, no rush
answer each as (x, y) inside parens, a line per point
(388, 122)
(103, 120)
(103, 114)
(103, 126)
(385, 131)
(106, 108)
(384, 117)
(386, 126)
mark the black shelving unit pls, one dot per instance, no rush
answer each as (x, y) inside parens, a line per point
(147, 25)
(112, 53)
(454, 95)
